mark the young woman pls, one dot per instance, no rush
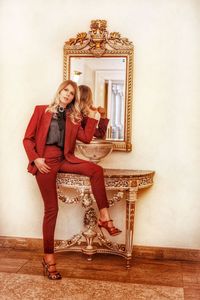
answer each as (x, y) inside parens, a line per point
(86, 104)
(49, 142)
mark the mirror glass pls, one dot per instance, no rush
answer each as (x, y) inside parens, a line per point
(106, 76)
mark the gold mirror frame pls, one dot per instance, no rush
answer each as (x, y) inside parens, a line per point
(98, 42)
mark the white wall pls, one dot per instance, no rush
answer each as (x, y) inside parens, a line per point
(165, 117)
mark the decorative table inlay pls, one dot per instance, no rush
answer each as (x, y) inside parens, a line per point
(124, 184)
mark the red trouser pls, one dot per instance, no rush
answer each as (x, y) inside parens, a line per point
(47, 184)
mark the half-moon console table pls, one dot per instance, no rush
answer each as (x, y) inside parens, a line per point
(125, 185)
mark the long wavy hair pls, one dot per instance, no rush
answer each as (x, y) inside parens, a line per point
(73, 109)
(86, 101)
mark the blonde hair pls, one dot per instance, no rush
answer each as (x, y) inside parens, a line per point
(86, 101)
(73, 107)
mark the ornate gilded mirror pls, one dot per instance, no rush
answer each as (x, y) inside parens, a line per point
(104, 61)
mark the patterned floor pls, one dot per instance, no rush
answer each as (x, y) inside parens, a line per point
(25, 287)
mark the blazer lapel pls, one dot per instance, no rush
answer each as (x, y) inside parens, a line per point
(68, 131)
(45, 123)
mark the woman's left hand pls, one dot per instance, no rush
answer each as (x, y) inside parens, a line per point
(102, 112)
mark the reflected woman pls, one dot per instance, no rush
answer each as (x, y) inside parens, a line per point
(49, 142)
(86, 104)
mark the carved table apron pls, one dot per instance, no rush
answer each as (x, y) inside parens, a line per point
(124, 184)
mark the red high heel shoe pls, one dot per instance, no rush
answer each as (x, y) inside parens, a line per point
(54, 275)
(112, 230)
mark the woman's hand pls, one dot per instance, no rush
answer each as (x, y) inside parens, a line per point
(102, 112)
(92, 112)
(42, 167)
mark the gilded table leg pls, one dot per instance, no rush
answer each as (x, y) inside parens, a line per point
(90, 221)
(130, 213)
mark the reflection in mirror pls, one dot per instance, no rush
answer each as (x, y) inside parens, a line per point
(106, 78)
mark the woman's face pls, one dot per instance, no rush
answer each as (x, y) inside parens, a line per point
(66, 95)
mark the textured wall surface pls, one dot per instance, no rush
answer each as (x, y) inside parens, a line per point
(166, 110)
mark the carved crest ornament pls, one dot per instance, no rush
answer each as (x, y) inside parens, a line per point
(98, 40)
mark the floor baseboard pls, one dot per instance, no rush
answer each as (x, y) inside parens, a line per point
(150, 252)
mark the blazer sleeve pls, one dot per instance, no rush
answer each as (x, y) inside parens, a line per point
(29, 137)
(100, 131)
(85, 134)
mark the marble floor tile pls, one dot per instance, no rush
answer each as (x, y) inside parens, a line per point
(24, 254)
(11, 264)
(4, 252)
(191, 293)
(191, 274)
(34, 267)
(101, 275)
(148, 272)
(98, 259)
(110, 269)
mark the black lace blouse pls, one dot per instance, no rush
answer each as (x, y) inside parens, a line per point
(56, 133)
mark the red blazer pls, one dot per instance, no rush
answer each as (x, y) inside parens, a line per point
(100, 131)
(36, 134)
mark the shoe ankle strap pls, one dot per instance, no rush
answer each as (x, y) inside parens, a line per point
(50, 265)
